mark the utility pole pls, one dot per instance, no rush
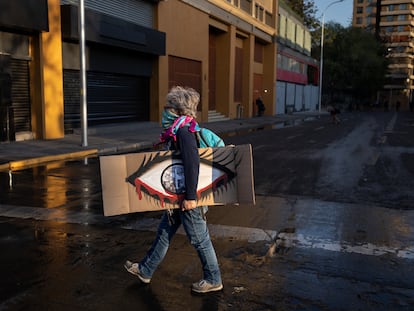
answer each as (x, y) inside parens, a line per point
(82, 72)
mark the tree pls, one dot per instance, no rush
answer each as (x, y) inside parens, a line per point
(354, 63)
(307, 10)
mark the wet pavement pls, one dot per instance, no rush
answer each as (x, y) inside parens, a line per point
(64, 265)
(125, 137)
(288, 252)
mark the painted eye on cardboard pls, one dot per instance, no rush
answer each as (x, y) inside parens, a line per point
(164, 179)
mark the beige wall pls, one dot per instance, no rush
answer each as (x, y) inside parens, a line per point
(187, 36)
(226, 44)
(48, 109)
(269, 78)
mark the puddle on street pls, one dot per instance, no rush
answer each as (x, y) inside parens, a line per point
(55, 184)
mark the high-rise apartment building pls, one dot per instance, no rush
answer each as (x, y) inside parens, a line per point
(393, 22)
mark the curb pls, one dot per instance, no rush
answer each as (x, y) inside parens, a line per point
(22, 164)
(125, 148)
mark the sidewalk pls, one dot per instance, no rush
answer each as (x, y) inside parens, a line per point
(125, 137)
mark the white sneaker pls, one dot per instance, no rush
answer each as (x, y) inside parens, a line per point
(132, 267)
(203, 287)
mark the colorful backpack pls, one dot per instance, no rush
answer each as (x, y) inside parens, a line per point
(207, 138)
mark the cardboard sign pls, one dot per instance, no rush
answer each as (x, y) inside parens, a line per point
(151, 181)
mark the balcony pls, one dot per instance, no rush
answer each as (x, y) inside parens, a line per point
(400, 65)
(388, 2)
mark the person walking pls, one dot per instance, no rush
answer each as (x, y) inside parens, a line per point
(333, 111)
(260, 106)
(178, 122)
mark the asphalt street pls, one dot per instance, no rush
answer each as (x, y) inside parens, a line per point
(298, 248)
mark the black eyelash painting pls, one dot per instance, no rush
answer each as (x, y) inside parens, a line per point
(161, 175)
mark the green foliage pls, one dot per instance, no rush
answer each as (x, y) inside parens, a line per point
(353, 62)
(307, 10)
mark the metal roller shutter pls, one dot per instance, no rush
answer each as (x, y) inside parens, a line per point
(111, 98)
(21, 95)
(135, 11)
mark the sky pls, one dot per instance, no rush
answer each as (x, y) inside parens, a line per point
(340, 12)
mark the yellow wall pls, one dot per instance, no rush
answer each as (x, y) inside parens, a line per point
(248, 72)
(36, 88)
(187, 36)
(50, 75)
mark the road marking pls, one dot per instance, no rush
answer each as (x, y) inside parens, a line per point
(319, 128)
(302, 241)
(390, 126)
(373, 159)
(145, 224)
(219, 231)
(293, 137)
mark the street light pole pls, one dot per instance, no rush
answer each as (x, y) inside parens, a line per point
(82, 72)
(321, 57)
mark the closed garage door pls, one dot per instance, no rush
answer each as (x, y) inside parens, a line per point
(20, 95)
(185, 72)
(111, 98)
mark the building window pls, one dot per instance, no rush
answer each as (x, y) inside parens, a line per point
(246, 6)
(360, 9)
(258, 12)
(302, 68)
(279, 61)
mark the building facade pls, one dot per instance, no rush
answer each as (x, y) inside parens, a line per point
(297, 72)
(224, 49)
(393, 22)
(135, 51)
(40, 50)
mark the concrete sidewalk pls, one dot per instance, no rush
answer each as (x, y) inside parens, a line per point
(125, 137)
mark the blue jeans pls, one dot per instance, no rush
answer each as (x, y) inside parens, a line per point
(195, 226)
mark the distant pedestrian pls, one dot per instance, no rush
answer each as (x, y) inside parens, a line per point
(397, 105)
(260, 106)
(412, 105)
(333, 111)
